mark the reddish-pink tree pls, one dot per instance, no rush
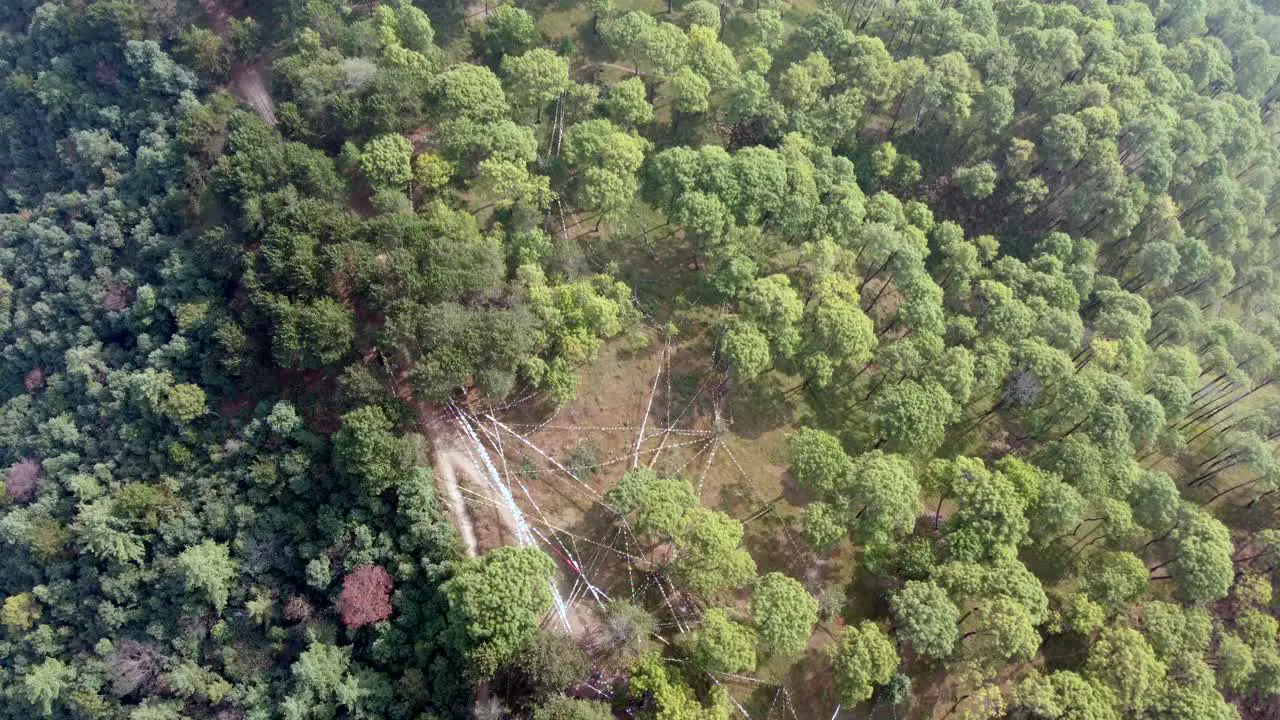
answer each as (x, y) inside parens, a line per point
(116, 297)
(366, 596)
(35, 379)
(23, 479)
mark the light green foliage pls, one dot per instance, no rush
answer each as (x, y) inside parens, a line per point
(1252, 591)
(1063, 695)
(1005, 632)
(1202, 567)
(925, 617)
(823, 525)
(506, 30)
(624, 34)
(742, 348)
(413, 27)
(875, 495)
(1155, 500)
(784, 613)
(535, 78)
(840, 337)
(662, 48)
(510, 183)
(471, 92)
(578, 316)
(690, 92)
(703, 216)
(766, 28)
(98, 531)
(862, 658)
(976, 182)
(818, 462)
(209, 569)
(495, 603)
(1082, 615)
(660, 505)
(605, 161)
(1056, 508)
(44, 683)
(319, 573)
(702, 12)
(773, 304)
(720, 644)
(1235, 663)
(318, 676)
(1266, 676)
(1114, 578)
(431, 172)
(712, 557)
(1172, 631)
(883, 488)
(711, 58)
(801, 84)
(1122, 660)
(184, 403)
(386, 161)
(911, 418)
(19, 612)
(990, 521)
(1258, 629)
(662, 689)
(709, 556)
(627, 105)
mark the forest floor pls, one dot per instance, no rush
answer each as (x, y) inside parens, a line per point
(478, 10)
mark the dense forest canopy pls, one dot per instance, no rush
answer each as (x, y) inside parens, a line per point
(989, 286)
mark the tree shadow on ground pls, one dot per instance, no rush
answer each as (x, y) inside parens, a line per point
(757, 408)
(448, 19)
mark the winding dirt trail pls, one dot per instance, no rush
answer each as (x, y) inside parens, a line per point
(455, 466)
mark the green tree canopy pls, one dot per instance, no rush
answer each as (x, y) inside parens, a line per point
(862, 658)
(495, 604)
(925, 617)
(784, 613)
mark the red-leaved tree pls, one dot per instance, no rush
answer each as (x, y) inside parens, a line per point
(366, 596)
(23, 479)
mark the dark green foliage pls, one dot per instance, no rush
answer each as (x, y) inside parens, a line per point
(366, 450)
(548, 664)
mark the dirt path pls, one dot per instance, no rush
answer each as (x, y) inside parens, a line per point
(456, 467)
(446, 476)
(247, 80)
(248, 86)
